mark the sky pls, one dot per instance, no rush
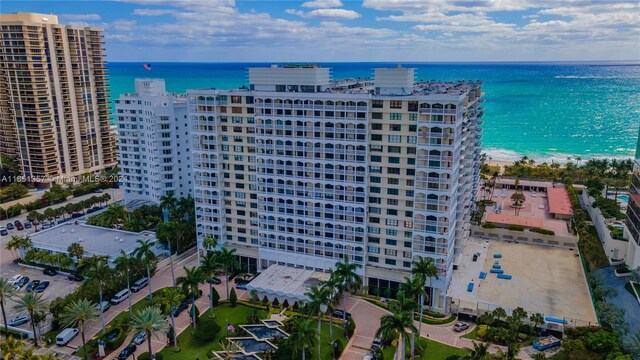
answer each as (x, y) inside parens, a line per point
(367, 30)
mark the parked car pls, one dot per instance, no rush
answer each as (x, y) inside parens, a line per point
(368, 357)
(10, 226)
(241, 286)
(140, 338)
(49, 272)
(214, 281)
(475, 257)
(112, 334)
(105, 306)
(376, 344)
(126, 352)
(66, 335)
(340, 314)
(184, 304)
(32, 285)
(19, 319)
(460, 326)
(139, 284)
(46, 226)
(22, 282)
(75, 277)
(42, 287)
(15, 279)
(27, 224)
(3, 231)
(19, 227)
(120, 297)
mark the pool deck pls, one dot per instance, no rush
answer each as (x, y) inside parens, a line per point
(547, 280)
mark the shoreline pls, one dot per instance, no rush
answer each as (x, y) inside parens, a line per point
(503, 157)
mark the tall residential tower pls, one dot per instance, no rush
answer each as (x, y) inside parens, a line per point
(633, 214)
(153, 143)
(301, 170)
(54, 108)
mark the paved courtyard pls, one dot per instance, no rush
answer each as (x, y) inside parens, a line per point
(547, 280)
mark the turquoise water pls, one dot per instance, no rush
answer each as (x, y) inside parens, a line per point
(547, 111)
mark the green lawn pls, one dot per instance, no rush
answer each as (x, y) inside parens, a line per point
(338, 333)
(471, 335)
(433, 351)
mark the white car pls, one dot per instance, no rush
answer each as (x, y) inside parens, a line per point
(19, 319)
(15, 279)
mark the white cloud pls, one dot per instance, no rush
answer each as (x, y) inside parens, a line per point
(326, 14)
(79, 17)
(322, 4)
(153, 12)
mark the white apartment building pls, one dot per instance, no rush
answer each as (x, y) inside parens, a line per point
(300, 170)
(153, 143)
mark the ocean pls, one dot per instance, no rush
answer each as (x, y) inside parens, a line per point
(547, 111)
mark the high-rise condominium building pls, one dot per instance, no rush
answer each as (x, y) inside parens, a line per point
(301, 170)
(153, 143)
(633, 214)
(54, 108)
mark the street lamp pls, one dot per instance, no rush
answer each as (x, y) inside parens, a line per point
(323, 309)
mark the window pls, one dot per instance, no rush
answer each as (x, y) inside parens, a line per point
(376, 158)
(376, 137)
(394, 149)
(394, 160)
(389, 261)
(395, 104)
(376, 126)
(373, 249)
(390, 252)
(374, 189)
(374, 230)
(374, 259)
(395, 127)
(375, 210)
(393, 170)
(391, 222)
(393, 181)
(391, 232)
(377, 104)
(392, 212)
(392, 191)
(412, 139)
(413, 117)
(393, 138)
(376, 115)
(395, 116)
(375, 147)
(413, 105)
(375, 179)
(408, 224)
(391, 242)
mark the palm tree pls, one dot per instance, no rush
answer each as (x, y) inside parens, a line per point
(123, 264)
(425, 269)
(151, 321)
(78, 313)
(171, 298)
(209, 242)
(301, 337)
(10, 347)
(499, 313)
(209, 267)
(35, 306)
(185, 207)
(480, 351)
(7, 291)
(166, 231)
(228, 349)
(334, 287)
(168, 202)
(98, 270)
(517, 199)
(395, 325)
(414, 289)
(190, 281)
(350, 279)
(144, 253)
(318, 299)
(227, 258)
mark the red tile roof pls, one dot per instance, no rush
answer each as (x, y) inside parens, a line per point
(559, 202)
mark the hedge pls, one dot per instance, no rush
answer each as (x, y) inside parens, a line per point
(489, 225)
(543, 231)
(516, 227)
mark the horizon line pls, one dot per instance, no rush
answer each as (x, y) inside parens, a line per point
(628, 62)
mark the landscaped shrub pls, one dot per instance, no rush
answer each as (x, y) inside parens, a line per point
(194, 308)
(489, 225)
(216, 297)
(351, 327)
(516, 227)
(285, 304)
(482, 331)
(207, 329)
(233, 298)
(543, 231)
(338, 348)
(118, 340)
(275, 303)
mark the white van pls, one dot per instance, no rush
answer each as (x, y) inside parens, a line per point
(66, 335)
(139, 284)
(120, 297)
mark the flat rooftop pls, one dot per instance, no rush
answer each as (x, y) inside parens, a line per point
(548, 280)
(559, 202)
(534, 213)
(287, 282)
(94, 239)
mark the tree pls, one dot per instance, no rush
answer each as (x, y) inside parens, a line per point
(96, 269)
(165, 232)
(395, 325)
(11, 347)
(123, 264)
(145, 253)
(168, 202)
(151, 321)
(301, 338)
(190, 281)
(414, 290)
(517, 199)
(35, 306)
(209, 266)
(75, 250)
(228, 349)
(499, 313)
(227, 258)
(480, 351)
(171, 298)
(424, 268)
(78, 313)
(351, 281)
(7, 291)
(233, 298)
(209, 243)
(334, 287)
(537, 319)
(21, 243)
(318, 299)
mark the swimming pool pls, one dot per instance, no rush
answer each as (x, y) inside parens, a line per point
(264, 332)
(250, 345)
(623, 197)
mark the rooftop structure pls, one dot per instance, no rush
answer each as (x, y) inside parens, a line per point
(94, 239)
(559, 203)
(286, 283)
